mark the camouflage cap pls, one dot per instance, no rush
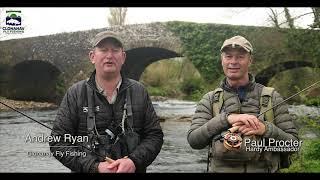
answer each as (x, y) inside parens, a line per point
(106, 34)
(238, 40)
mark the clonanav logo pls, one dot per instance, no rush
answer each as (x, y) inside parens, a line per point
(13, 18)
(13, 23)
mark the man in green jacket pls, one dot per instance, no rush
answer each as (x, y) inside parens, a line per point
(239, 141)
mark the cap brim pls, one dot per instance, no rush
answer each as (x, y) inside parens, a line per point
(238, 45)
(108, 37)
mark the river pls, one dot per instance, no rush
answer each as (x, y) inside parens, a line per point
(17, 155)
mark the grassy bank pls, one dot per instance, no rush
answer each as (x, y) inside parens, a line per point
(175, 78)
(307, 160)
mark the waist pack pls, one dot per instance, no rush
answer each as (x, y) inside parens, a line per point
(125, 144)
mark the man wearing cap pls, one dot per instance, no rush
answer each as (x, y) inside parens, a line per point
(112, 114)
(226, 118)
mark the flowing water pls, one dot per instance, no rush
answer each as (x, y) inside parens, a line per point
(19, 155)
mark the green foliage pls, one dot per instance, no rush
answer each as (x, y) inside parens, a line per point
(198, 46)
(202, 42)
(189, 86)
(193, 88)
(156, 91)
(289, 82)
(312, 124)
(81, 71)
(313, 152)
(60, 88)
(162, 73)
(175, 78)
(196, 96)
(201, 45)
(312, 101)
(308, 159)
(304, 44)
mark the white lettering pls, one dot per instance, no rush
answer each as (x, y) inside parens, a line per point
(42, 139)
(75, 139)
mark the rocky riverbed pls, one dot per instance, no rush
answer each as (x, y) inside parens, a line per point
(25, 105)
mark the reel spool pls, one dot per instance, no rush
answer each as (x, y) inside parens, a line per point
(232, 141)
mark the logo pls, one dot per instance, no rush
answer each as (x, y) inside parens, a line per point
(13, 23)
(85, 109)
(13, 18)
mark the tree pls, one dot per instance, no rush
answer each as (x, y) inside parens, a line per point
(273, 17)
(289, 19)
(316, 21)
(117, 16)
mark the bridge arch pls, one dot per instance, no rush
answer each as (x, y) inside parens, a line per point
(139, 58)
(264, 76)
(33, 80)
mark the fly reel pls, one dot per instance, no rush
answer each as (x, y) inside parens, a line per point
(232, 140)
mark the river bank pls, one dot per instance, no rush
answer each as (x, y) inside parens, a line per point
(33, 105)
(25, 105)
(167, 109)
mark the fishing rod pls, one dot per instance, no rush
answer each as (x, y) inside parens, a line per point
(289, 98)
(106, 158)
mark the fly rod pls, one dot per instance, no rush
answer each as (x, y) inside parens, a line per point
(109, 160)
(289, 98)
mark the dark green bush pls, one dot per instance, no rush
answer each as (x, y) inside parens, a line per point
(192, 85)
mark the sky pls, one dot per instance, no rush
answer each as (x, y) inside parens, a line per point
(45, 21)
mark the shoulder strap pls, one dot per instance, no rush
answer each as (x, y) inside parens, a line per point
(217, 100)
(266, 103)
(129, 109)
(90, 117)
(216, 107)
(127, 112)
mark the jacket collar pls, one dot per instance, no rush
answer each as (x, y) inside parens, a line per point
(92, 83)
(249, 87)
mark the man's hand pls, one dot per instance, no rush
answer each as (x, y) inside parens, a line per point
(103, 167)
(248, 130)
(244, 119)
(123, 165)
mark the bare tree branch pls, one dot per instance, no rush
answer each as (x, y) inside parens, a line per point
(117, 16)
(273, 17)
(297, 17)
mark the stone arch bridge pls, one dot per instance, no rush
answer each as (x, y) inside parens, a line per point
(30, 68)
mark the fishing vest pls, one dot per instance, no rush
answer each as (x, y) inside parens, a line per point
(218, 151)
(265, 102)
(112, 145)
